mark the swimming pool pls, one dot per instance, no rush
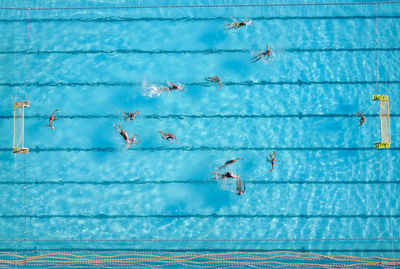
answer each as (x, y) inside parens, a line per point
(80, 191)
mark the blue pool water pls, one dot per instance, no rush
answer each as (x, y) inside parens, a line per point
(81, 189)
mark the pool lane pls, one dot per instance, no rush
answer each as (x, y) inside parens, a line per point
(153, 211)
(131, 69)
(194, 167)
(220, 134)
(276, 100)
(163, 33)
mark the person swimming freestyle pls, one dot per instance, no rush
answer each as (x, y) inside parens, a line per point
(237, 25)
(239, 190)
(229, 162)
(172, 88)
(261, 55)
(225, 175)
(124, 134)
(272, 161)
(168, 136)
(229, 174)
(129, 115)
(52, 118)
(214, 79)
(362, 118)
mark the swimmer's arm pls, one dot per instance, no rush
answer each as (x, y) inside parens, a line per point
(116, 128)
(52, 115)
(137, 136)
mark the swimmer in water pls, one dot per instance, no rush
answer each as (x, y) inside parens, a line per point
(237, 25)
(272, 161)
(129, 115)
(172, 87)
(239, 190)
(226, 175)
(124, 134)
(168, 136)
(261, 55)
(214, 79)
(362, 118)
(229, 162)
(52, 118)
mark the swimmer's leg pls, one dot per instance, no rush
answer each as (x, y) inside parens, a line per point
(123, 114)
(254, 59)
(258, 58)
(162, 134)
(218, 176)
(223, 166)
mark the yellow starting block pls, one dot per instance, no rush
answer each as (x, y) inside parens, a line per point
(18, 137)
(385, 121)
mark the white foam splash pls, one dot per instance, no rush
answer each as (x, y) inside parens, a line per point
(150, 90)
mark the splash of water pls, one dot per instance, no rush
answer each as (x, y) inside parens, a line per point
(150, 90)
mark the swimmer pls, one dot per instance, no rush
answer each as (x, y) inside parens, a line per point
(237, 25)
(239, 190)
(172, 87)
(272, 161)
(124, 134)
(129, 115)
(362, 118)
(261, 55)
(168, 136)
(229, 162)
(52, 118)
(214, 79)
(228, 174)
